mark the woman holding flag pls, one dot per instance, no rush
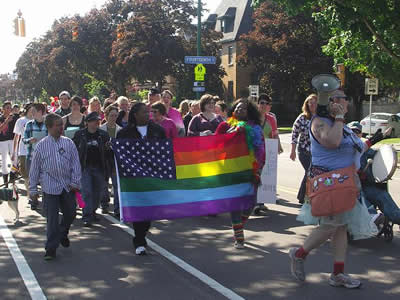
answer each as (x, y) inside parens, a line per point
(140, 127)
(246, 117)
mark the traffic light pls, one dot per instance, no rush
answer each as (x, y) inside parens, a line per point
(21, 23)
(16, 27)
(341, 74)
(75, 32)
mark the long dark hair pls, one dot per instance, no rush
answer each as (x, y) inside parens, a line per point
(135, 108)
(253, 113)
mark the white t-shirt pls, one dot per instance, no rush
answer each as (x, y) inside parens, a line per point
(142, 130)
(19, 129)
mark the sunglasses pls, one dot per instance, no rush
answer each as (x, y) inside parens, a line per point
(265, 103)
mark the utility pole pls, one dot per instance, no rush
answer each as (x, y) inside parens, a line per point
(199, 9)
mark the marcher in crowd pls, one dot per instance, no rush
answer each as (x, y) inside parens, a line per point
(95, 106)
(269, 125)
(333, 146)
(221, 109)
(152, 97)
(245, 111)
(34, 130)
(65, 108)
(94, 155)
(184, 107)
(55, 166)
(194, 110)
(207, 121)
(159, 111)
(75, 118)
(112, 128)
(172, 113)
(141, 127)
(301, 127)
(19, 149)
(123, 104)
(7, 123)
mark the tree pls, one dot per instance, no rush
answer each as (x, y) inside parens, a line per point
(364, 35)
(285, 52)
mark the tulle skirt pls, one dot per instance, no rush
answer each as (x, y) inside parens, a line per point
(358, 220)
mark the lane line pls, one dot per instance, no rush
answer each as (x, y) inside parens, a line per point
(26, 273)
(180, 263)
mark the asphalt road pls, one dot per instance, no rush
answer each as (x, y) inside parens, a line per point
(191, 258)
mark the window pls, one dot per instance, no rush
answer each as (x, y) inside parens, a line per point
(230, 55)
(230, 90)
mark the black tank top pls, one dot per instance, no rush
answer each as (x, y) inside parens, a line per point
(68, 124)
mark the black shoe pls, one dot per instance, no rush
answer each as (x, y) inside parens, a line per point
(65, 242)
(87, 224)
(104, 210)
(34, 206)
(50, 254)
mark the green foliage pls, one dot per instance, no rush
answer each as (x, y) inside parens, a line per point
(121, 42)
(364, 35)
(285, 52)
(94, 87)
(44, 97)
(140, 95)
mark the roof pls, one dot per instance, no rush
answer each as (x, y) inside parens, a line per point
(239, 12)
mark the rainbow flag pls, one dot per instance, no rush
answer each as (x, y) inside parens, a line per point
(183, 177)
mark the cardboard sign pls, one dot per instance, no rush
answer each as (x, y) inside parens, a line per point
(267, 190)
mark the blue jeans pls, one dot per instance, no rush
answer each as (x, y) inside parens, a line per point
(382, 199)
(92, 183)
(58, 229)
(116, 196)
(305, 160)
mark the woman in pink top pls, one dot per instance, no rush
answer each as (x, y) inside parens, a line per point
(159, 111)
(172, 113)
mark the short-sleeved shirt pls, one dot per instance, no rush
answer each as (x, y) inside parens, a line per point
(175, 116)
(7, 133)
(19, 129)
(169, 127)
(270, 129)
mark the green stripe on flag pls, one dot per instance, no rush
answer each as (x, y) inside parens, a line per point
(140, 184)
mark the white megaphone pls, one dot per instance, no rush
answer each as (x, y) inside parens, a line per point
(324, 84)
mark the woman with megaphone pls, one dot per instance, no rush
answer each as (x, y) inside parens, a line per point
(332, 185)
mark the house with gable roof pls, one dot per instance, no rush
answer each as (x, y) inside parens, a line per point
(233, 18)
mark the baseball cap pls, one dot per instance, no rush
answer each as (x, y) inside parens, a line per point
(64, 93)
(153, 91)
(93, 116)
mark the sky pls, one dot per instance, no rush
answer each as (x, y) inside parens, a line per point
(39, 15)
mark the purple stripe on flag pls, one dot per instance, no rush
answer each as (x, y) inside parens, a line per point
(184, 210)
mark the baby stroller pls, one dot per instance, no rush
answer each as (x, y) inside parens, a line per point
(377, 167)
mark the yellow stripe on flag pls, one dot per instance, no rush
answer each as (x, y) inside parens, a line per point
(214, 168)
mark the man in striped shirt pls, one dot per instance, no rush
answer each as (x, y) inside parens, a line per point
(56, 167)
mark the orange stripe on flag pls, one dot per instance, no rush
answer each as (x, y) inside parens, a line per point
(197, 157)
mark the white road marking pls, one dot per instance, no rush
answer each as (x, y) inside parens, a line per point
(182, 264)
(26, 273)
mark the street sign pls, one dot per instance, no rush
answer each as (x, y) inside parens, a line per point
(198, 83)
(205, 60)
(199, 72)
(254, 90)
(371, 86)
(199, 89)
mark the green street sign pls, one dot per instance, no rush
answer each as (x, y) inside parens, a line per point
(199, 72)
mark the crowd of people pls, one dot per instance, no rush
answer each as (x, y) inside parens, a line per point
(67, 151)
(38, 140)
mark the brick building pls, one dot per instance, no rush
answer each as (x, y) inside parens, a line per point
(233, 18)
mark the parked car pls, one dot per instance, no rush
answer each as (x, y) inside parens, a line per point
(382, 121)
